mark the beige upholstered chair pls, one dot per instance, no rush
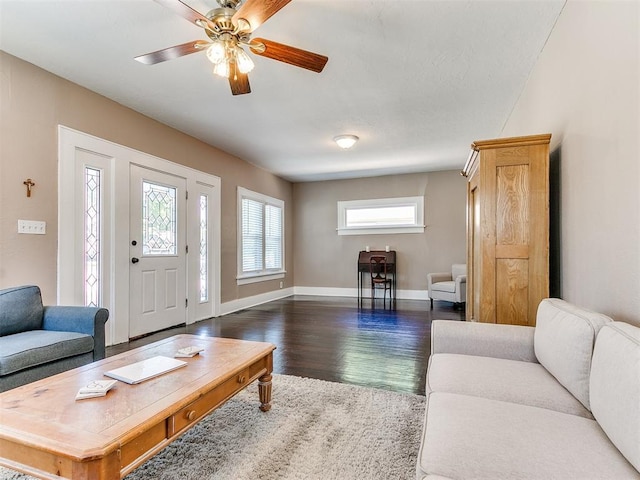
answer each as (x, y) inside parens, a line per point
(449, 286)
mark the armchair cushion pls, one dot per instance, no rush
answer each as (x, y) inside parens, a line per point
(447, 286)
(29, 349)
(20, 310)
(458, 269)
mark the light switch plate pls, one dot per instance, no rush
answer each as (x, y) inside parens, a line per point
(32, 227)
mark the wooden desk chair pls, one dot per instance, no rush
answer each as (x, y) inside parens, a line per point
(379, 277)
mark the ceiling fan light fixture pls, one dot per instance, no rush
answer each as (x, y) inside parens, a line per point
(244, 62)
(222, 69)
(346, 141)
(216, 52)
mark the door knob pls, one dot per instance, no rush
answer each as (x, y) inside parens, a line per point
(135, 260)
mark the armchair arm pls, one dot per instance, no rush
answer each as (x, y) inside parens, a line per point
(461, 288)
(438, 277)
(87, 320)
(511, 342)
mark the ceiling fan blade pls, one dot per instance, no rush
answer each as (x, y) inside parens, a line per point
(238, 81)
(185, 11)
(256, 12)
(291, 55)
(172, 52)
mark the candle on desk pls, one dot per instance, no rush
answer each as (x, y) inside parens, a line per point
(386, 248)
(367, 249)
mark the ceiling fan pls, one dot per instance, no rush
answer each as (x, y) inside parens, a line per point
(229, 28)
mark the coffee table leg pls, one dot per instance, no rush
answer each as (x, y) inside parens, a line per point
(264, 390)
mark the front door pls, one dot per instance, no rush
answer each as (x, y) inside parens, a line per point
(157, 250)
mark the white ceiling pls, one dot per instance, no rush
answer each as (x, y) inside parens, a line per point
(416, 80)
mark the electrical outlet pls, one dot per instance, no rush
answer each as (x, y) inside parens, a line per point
(281, 284)
(32, 227)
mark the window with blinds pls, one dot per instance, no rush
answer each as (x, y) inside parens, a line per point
(261, 237)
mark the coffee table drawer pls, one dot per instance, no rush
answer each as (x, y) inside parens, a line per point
(196, 410)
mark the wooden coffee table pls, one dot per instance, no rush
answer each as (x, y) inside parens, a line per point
(46, 433)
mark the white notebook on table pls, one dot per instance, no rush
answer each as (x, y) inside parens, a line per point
(146, 369)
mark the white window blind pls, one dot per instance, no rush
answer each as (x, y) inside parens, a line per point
(261, 236)
(273, 237)
(251, 235)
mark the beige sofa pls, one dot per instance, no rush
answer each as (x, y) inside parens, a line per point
(558, 401)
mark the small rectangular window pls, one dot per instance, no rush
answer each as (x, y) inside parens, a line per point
(380, 216)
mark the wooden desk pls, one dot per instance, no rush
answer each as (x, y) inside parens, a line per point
(46, 433)
(364, 266)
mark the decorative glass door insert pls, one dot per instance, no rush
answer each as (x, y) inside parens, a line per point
(92, 236)
(204, 248)
(158, 219)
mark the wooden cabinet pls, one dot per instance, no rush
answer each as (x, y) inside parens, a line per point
(507, 229)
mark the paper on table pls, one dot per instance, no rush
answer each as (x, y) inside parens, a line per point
(145, 369)
(188, 352)
(97, 388)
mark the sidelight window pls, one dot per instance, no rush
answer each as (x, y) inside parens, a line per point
(92, 236)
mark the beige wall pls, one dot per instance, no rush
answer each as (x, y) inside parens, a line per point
(584, 90)
(322, 258)
(32, 104)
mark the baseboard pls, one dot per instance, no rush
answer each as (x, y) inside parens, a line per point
(247, 302)
(353, 292)
(242, 303)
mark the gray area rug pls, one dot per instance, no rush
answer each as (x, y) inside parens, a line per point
(315, 430)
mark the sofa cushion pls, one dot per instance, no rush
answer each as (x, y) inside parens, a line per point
(563, 342)
(28, 349)
(615, 387)
(20, 310)
(449, 286)
(479, 438)
(499, 379)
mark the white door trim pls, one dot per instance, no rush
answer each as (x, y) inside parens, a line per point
(117, 160)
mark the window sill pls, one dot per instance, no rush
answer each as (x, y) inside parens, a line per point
(381, 230)
(259, 277)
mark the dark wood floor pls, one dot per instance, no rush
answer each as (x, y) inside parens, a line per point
(329, 338)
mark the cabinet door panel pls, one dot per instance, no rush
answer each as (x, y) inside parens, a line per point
(512, 209)
(512, 279)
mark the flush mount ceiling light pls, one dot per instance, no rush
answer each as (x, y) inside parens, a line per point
(345, 141)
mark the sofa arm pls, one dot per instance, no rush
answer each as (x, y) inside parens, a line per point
(87, 320)
(511, 342)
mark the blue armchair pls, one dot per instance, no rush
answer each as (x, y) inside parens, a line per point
(38, 341)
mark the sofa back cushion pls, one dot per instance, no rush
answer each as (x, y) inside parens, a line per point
(563, 343)
(615, 387)
(20, 309)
